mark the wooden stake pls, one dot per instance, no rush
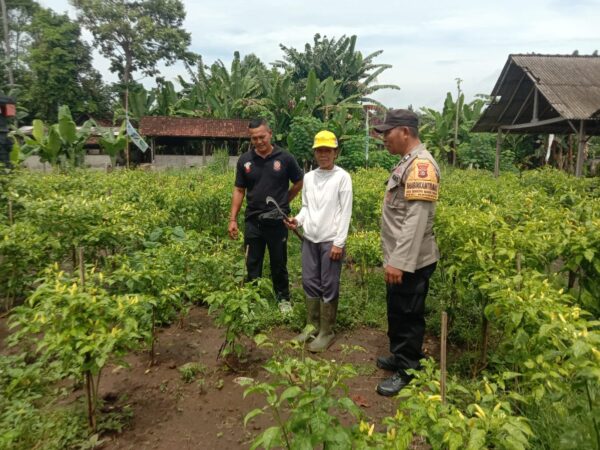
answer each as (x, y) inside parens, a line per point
(498, 147)
(81, 266)
(443, 352)
(10, 211)
(153, 343)
(246, 263)
(519, 267)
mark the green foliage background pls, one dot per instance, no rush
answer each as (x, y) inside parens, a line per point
(519, 262)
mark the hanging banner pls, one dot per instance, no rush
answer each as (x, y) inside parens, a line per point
(135, 137)
(550, 140)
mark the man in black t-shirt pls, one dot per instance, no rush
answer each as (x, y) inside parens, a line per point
(265, 170)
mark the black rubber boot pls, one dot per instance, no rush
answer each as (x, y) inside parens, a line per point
(313, 317)
(325, 337)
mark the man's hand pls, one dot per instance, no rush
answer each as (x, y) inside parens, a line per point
(393, 275)
(233, 229)
(336, 253)
(291, 223)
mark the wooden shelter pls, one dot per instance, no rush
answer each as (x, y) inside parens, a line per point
(190, 133)
(545, 94)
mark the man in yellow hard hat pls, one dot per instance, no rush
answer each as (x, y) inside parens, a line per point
(325, 218)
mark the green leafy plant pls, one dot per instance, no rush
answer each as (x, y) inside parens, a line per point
(236, 308)
(112, 144)
(475, 416)
(61, 144)
(305, 399)
(81, 327)
(190, 370)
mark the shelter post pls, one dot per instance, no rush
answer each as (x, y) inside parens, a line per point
(580, 148)
(498, 147)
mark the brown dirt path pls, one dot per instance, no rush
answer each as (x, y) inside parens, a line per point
(171, 414)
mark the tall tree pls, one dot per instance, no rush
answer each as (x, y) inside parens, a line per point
(15, 17)
(61, 70)
(136, 35)
(7, 56)
(338, 59)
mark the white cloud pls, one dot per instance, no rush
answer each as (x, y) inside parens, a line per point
(429, 43)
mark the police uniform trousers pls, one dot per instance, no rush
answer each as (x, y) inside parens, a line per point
(272, 235)
(406, 317)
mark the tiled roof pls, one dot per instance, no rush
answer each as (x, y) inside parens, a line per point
(155, 126)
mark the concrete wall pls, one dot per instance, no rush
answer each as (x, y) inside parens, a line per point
(160, 161)
(93, 161)
(166, 161)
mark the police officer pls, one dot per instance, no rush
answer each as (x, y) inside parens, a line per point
(265, 170)
(409, 248)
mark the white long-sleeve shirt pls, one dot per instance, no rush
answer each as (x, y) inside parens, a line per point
(326, 206)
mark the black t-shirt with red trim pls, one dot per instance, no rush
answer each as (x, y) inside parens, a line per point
(263, 177)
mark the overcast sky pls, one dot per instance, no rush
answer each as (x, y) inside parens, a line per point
(429, 43)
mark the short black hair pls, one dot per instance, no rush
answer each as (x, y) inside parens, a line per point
(413, 132)
(259, 122)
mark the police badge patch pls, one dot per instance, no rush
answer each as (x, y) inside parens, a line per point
(422, 182)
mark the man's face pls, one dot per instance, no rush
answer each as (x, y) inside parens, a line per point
(396, 140)
(261, 139)
(325, 157)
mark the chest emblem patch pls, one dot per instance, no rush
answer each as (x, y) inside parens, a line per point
(277, 165)
(247, 166)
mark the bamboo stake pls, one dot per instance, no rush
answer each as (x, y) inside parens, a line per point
(91, 392)
(81, 266)
(153, 343)
(246, 263)
(443, 352)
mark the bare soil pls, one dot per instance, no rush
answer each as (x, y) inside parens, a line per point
(208, 412)
(171, 414)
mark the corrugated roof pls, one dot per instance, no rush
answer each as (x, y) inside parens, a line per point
(569, 86)
(570, 83)
(193, 127)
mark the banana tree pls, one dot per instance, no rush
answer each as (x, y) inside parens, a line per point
(112, 144)
(60, 144)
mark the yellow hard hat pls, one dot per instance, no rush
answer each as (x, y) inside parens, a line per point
(325, 139)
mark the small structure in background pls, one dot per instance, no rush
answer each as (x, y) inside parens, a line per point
(8, 110)
(535, 94)
(190, 141)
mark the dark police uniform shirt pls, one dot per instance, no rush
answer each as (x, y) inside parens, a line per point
(263, 177)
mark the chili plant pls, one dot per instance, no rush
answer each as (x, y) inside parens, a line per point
(306, 399)
(82, 327)
(237, 309)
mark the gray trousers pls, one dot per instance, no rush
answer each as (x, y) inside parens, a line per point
(320, 274)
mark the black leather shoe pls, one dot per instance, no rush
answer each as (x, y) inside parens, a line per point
(388, 363)
(392, 385)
